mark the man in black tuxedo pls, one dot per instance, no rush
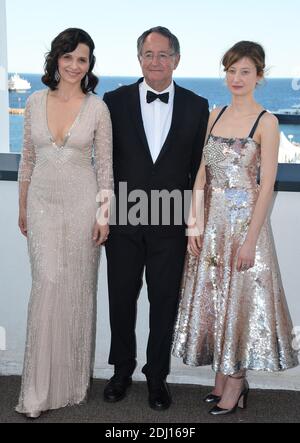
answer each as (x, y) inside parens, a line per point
(159, 130)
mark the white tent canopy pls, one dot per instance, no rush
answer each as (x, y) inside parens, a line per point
(288, 152)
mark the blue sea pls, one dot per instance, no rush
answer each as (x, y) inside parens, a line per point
(274, 94)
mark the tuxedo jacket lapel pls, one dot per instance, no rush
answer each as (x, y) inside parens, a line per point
(176, 120)
(136, 115)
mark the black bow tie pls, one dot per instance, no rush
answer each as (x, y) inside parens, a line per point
(151, 97)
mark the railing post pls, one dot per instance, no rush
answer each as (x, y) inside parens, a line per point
(4, 116)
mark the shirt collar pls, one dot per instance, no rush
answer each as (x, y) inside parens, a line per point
(145, 87)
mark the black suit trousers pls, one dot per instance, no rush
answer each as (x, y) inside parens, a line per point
(162, 258)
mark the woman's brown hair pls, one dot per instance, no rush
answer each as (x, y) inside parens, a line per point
(251, 50)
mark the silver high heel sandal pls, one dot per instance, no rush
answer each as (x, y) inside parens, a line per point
(241, 403)
(211, 398)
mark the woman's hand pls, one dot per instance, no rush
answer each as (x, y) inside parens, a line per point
(23, 220)
(246, 257)
(100, 234)
(194, 245)
(194, 240)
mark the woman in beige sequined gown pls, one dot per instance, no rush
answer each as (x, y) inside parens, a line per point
(233, 312)
(65, 126)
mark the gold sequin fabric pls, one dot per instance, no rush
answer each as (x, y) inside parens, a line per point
(227, 319)
(61, 213)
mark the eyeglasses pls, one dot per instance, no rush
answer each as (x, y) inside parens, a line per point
(162, 57)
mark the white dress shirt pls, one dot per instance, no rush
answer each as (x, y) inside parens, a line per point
(157, 118)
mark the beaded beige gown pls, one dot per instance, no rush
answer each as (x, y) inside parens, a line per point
(228, 319)
(61, 212)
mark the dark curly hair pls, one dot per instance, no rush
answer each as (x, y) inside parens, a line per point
(66, 42)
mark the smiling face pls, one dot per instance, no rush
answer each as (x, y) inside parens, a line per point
(242, 77)
(158, 61)
(73, 66)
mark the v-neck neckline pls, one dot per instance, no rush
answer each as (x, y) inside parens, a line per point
(68, 134)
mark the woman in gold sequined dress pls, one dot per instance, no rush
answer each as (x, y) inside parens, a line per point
(65, 125)
(232, 311)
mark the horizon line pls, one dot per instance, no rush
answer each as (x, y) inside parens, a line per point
(139, 76)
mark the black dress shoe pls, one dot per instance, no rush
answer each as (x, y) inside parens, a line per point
(159, 395)
(116, 388)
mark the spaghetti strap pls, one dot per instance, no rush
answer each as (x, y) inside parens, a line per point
(251, 135)
(218, 118)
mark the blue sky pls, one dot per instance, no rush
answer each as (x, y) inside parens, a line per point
(206, 29)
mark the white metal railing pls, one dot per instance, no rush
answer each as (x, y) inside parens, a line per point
(4, 117)
(15, 282)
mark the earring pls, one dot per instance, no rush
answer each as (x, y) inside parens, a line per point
(260, 82)
(86, 81)
(57, 76)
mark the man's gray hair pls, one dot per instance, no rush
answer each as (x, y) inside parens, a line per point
(174, 42)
